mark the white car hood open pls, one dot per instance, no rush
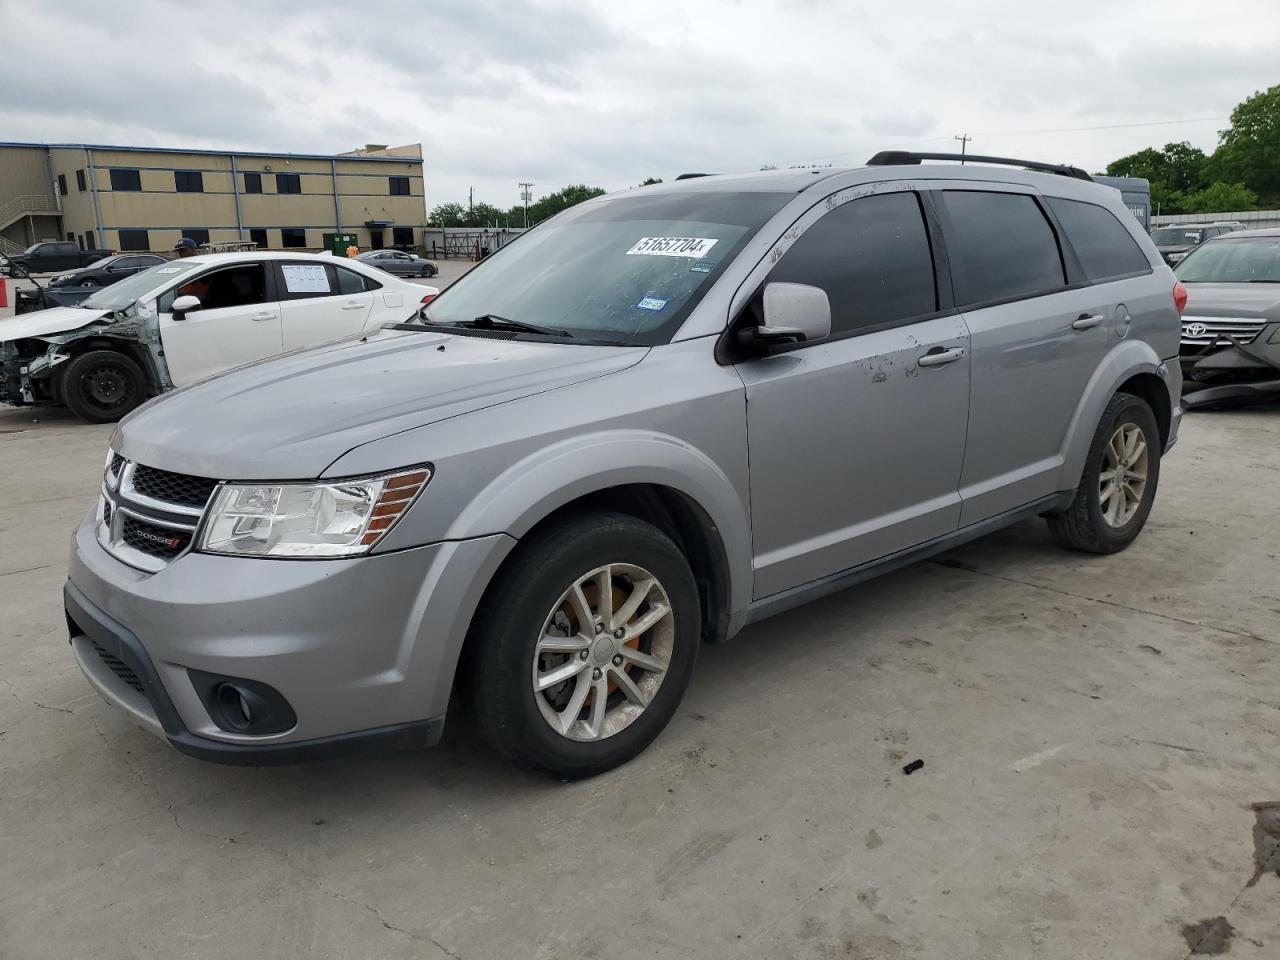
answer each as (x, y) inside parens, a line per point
(42, 323)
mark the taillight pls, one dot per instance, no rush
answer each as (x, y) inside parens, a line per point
(1179, 296)
(431, 296)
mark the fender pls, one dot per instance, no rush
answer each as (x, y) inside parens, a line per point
(533, 488)
(1126, 359)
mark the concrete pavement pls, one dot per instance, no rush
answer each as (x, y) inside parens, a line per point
(1099, 738)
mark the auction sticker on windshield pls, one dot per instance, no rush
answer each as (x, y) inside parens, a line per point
(696, 247)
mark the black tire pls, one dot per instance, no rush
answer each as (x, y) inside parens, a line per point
(1082, 525)
(101, 386)
(89, 282)
(501, 648)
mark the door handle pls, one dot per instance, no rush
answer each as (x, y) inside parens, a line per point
(352, 305)
(939, 356)
(1086, 320)
(263, 316)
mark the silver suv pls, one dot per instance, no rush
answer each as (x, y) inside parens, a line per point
(655, 419)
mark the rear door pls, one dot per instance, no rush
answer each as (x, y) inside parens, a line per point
(1038, 334)
(856, 442)
(238, 322)
(321, 302)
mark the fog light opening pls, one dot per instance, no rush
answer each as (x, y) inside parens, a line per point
(235, 706)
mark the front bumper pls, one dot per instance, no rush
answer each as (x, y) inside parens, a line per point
(363, 650)
(1232, 368)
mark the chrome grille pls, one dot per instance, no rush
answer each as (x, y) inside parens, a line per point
(147, 517)
(1201, 332)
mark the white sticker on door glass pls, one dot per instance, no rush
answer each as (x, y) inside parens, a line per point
(695, 247)
(305, 279)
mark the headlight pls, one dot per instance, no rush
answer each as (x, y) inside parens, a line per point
(342, 518)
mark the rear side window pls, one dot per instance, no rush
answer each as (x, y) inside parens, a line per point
(351, 282)
(872, 257)
(1003, 246)
(1105, 249)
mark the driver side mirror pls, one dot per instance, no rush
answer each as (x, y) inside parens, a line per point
(184, 305)
(793, 313)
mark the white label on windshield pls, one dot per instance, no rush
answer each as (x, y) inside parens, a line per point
(695, 247)
(308, 279)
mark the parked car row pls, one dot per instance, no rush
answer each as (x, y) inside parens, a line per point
(184, 320)
(1175, 242)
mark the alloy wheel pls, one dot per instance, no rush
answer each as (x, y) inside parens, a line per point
(1123, 478)
(603, 652)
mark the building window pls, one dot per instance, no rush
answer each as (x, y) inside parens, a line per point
(62, 184)
(253, 183)
(188, 181)
(399, 186)
(89, 240)
(259, 236)
(288, 183)
(293, 237)
(402, 236)
(134, 239)
(80, 184)
(71, 237)
(197, 234)
(126, 180)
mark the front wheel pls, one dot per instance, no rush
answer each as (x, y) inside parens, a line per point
(101, 386)
(585, 645)
(1118, 486)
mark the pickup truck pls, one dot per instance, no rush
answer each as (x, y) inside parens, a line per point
(51, 256)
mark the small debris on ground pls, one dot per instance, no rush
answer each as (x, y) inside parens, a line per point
(912, 767)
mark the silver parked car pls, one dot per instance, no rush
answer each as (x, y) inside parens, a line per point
(654, 419)
(1231, 327)
(399, 262)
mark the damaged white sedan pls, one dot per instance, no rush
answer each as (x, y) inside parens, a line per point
(187, 320)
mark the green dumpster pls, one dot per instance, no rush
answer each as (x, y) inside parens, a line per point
(337, 243)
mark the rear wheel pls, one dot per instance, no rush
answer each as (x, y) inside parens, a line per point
(1118, 486)
(89, 282)
(586, 645)
(102, 385)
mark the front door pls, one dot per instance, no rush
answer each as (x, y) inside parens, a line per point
(238, 322)
(856, 442)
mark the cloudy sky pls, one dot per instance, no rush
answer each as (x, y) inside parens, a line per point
(608, 93)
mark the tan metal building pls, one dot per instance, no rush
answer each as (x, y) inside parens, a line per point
(147, 198)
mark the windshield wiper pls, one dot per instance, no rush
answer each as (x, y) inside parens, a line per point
(491, 321)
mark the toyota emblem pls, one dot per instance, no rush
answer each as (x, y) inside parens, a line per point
(1195, 329)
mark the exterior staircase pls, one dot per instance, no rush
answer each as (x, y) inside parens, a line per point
(28, 205)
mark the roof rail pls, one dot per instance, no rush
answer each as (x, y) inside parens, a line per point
(691, 176)
(890, 158)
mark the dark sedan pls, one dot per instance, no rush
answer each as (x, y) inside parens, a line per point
(104, 272)
(68, 289)
(398, 262)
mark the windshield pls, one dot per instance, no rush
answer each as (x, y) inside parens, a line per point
(31, 249)
(1176, 237)
(1256, 260)
(99, 264)
(627, 270)
(125, 292)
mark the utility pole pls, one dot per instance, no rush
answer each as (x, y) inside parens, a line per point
(964, 139)
(525, 194)
(471, 200)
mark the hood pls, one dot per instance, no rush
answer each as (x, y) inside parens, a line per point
(290, 417)
(42, 323)
(1233, 300)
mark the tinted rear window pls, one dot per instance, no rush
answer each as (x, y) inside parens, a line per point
(1003, 246)
(1103, 246)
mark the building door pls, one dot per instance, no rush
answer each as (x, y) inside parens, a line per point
(375, 238)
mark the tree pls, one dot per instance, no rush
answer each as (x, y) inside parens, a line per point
(649, 181)
(553, 203)
(1219, 197)
(1249, 150)
(447, 215)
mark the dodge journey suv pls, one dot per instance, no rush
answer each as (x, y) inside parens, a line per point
(659, 417)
